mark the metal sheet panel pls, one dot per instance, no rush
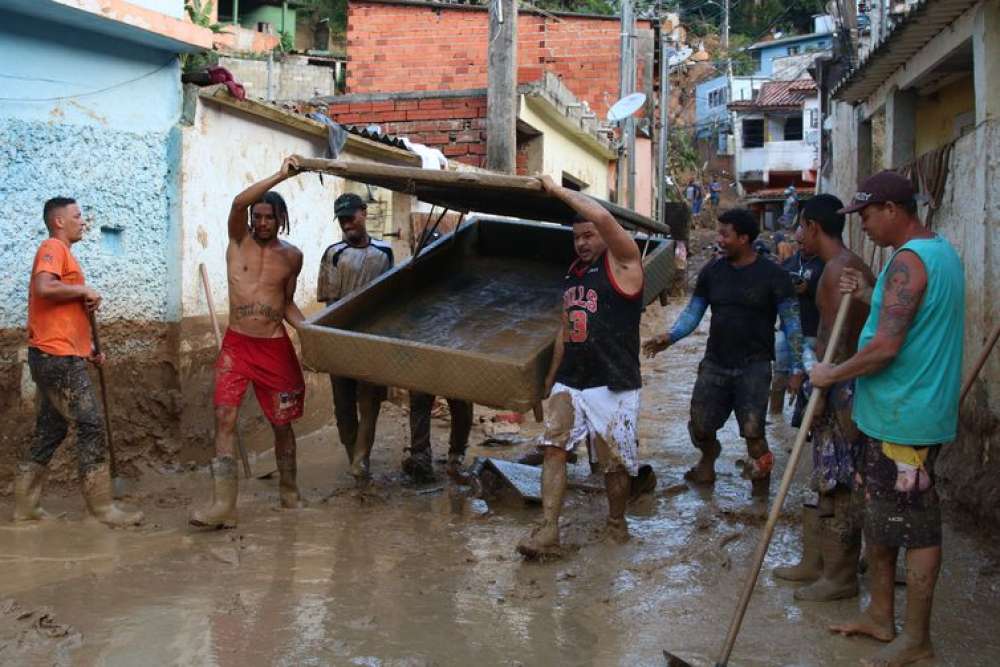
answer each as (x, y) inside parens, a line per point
(474, 318)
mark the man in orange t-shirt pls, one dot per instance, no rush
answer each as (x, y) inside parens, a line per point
(59, 345)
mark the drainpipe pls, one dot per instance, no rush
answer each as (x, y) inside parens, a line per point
(236, 12)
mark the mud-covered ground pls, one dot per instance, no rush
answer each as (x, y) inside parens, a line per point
(429, 576)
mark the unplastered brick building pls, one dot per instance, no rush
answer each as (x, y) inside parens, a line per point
(419, 70)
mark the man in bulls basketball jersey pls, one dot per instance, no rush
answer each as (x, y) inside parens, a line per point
(594, 380)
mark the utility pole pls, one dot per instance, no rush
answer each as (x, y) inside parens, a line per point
(662, 156)
(501, 88)
(729, 72)
(626, 84)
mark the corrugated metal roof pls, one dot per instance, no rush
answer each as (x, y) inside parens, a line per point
(905, 40)
(375, 133)
(779, 95)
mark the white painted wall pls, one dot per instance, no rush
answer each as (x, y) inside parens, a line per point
(563, 153)
(223, 152)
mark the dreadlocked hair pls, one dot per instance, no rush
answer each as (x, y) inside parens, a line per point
(279, 207)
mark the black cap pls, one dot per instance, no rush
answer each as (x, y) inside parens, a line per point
(885, 186)
(347, 203)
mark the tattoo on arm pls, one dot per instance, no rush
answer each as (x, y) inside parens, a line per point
(689, 318)
(901, 297)
(791, 324)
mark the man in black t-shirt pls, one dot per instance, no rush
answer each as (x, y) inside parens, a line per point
(594, 379)
(746, 294)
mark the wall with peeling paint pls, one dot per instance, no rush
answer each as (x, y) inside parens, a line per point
(115, 151)
(969, 217)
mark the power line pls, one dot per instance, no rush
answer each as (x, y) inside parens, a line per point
(92, 92)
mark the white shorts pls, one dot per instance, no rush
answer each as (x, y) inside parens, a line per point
(610, 419)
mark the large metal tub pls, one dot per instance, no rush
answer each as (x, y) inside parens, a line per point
(473, 317)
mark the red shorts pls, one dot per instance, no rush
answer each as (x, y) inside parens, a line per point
(271, 364)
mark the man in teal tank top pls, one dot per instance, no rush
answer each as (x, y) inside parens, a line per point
(908, 367)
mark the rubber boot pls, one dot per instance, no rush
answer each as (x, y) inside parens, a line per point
(840, 540)
(29, 480)
(617, 485)
(840, 568)
(225, 488)
(810, 566)
(97, 493)
(778, 386)
(419, 466)
(543, 541)
(288, 488)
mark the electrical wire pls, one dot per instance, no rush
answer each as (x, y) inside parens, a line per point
(60, 98)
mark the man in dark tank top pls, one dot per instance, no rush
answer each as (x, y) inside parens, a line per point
(593, 383)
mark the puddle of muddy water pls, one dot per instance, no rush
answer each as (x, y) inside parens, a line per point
(414, 578)
(491, 305)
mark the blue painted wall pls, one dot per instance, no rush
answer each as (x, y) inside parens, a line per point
(87, 116)
(813, 42)
(705, 114)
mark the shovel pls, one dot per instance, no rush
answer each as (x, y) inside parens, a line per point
(772, 518)
(117, 485)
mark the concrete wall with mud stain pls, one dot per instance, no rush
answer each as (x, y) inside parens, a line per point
(93, 117)
(98, 119)
(224, 151)
(969, 217)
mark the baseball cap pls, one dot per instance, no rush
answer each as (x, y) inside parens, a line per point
(347, 203)
(883, 187)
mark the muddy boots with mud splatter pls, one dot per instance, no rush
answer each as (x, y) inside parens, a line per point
(29, 481)
(225, 489)
(617, 485)
(543, 541)
(810, 566)
(97, 493)
(840, 542)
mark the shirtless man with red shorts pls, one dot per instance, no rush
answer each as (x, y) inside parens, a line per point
(262, 272)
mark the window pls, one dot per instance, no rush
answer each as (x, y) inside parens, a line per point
(793, 50)
(755, 56)
(793, 128)
(813, 119)
(717, 97)
(753, 133)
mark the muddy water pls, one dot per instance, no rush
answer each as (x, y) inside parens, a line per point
(428, 576)
(491, 305)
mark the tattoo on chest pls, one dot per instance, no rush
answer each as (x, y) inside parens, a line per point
(259, 309)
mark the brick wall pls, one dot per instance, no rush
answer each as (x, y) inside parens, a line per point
(454, 125)
(396, 47)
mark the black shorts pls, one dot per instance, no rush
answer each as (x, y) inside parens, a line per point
(910, 519)
(720, 391)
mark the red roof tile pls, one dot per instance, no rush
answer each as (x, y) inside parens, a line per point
(780, 95)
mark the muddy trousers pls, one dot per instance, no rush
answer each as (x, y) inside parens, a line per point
(420, 423)
(720, 391)
(356, 406)
(65, 395)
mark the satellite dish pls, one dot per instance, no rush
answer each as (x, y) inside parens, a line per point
(626, 106)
